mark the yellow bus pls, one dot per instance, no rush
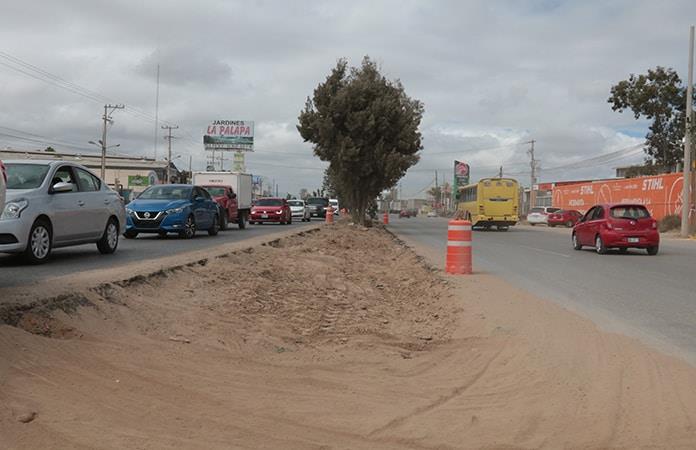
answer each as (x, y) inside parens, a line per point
(491, 202)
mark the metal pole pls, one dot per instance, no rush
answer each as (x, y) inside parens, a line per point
(169, 157)
(103, 143)
(686, 189)
(190, 168)
(103, 140)
(532, 165)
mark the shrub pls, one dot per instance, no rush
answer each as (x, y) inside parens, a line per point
(670, 222)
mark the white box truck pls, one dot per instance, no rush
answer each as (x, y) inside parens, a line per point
(240, 183)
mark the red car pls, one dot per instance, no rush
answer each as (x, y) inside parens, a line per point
(567, 217)
(617, 226)
(271, 209)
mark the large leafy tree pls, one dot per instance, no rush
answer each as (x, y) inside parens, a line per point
(658, 96)
(366, 127)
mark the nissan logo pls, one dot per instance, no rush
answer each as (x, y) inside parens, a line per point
(146, 215)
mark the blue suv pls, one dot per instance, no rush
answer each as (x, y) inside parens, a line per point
(172, 208)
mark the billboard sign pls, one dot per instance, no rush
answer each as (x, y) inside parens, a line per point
(461, 173)
(661, 194)
(233, 135)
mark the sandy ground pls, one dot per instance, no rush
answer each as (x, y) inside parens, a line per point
(341, 338)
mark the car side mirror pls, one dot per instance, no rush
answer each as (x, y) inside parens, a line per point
(233, 195)
(61, 187)
(199, 198)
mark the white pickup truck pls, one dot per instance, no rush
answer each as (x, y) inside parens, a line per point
(237, 206)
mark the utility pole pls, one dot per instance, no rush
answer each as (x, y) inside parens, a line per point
(533, 179)
(500, 172)
(108, 109)
(686, 189)
(169, 138)
(156, 112)
(190, 169)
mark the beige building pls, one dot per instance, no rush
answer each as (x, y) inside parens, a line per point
(128, 175)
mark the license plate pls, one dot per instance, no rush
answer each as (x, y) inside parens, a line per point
(633, 240)
(314, 214)
(264, 216)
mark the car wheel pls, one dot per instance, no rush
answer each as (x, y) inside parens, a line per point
(569, 224)
(130, 234)
(189, 231)
(652, 251)
(599, 245)
(552, 225)
(109, 240)
(576, 243)
(289, 222)
(623, 250)
(40, 243)
(241, 221)
(162, 234)
(223, 220)
(215, 228)
(532, 224)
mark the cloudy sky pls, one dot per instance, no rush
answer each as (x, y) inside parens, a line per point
(492, 75)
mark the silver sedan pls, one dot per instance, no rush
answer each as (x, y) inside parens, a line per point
(53, 204)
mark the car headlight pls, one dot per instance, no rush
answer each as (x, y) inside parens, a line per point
(129, 211)
(279, 212)
(175, 210)
(14, 209)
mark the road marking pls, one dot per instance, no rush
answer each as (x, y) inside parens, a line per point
(546, 251)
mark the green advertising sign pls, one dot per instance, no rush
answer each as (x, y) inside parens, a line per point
(138, 180)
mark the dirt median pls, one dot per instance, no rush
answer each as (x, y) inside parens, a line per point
(341, 338)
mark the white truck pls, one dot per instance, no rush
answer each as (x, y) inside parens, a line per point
(231, 191)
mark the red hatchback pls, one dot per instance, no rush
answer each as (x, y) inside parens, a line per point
(567, 217)
(271, 209)
(617, 226)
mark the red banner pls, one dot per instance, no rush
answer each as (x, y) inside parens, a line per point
(661, 194)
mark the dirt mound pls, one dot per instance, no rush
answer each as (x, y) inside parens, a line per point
(341, 338)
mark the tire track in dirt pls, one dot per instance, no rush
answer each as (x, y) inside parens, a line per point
(442, 400)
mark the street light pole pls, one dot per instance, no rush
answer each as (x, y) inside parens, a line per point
(106, 118)
(686, 188)
(169, 157)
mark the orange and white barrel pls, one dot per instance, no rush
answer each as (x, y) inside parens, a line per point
(458, 260)
(386, 218)
(329, 215)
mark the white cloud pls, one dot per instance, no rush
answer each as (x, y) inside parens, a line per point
(491, 74)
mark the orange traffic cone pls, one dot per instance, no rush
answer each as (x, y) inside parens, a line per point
(329, 215)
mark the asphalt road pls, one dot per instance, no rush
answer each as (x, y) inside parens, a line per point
(13, 271)
(652, 298)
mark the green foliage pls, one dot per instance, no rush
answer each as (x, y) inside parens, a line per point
(50, 149)
(366, 127)
(658, 96)
(669, 223)
(645, 170)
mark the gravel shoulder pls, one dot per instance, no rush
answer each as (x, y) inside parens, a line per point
(338, 338)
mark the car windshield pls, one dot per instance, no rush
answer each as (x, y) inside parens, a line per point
(25, 176)
(295, 203)
(630, 212)
(318, 201)
(269, 202)
(537, 210)
(216, 191)
(166, 193)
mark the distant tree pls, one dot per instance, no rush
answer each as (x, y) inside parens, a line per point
(50, 149)
(658, 96)
(366, 127)
(329, 184)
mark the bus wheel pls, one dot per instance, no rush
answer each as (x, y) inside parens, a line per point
(503, 228)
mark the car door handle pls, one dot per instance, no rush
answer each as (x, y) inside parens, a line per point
(80, 203)
(107, 201)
